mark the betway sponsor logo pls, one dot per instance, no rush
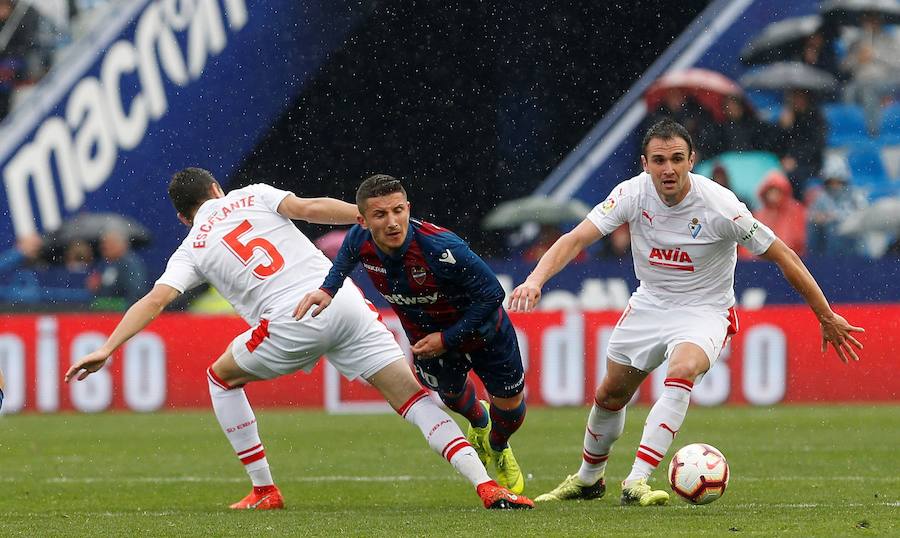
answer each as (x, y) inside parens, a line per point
(396, 298)
(83, 145)
(671, 259)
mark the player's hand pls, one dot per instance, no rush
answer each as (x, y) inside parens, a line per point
(429, 347)
(317, 297)
(836, 331)
(87, 365)
(525, 297)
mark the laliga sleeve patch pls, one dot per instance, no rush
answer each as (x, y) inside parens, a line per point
(607, 206)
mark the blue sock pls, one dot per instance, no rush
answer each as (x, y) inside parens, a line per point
(467, 405)
(504, 423)
(1, 398)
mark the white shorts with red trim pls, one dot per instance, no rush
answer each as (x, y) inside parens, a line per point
(349, 333)
(646, 334)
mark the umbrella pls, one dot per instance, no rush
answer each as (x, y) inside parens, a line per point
(90, 226)
(789, 76)
(708, 88)
(849, 12)
(538, 209)
(780, 40)
(331, 242)
(882, 216)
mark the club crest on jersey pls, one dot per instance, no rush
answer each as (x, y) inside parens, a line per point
(695, 227)
(607, 206)
(668, 258)
(419, 274)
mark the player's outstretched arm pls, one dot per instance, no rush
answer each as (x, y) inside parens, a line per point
(835, 329)
(317, 297)
(318, 210)
(136, 318)
(526, 295)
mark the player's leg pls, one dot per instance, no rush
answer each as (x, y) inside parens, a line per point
(686, 362)
(399, 387)
(605, 423)
(226, 389)
(499, 366)
(693, 342)
(448, 375)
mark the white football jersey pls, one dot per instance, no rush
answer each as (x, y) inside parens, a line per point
(255, 257)
(684, 255)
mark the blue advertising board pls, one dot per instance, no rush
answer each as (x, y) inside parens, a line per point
(160, 86)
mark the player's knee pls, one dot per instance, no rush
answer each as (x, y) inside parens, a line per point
(611, 400)
(689, 369)
(512, 402)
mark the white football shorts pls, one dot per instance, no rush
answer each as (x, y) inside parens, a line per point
(646, 334)
(348, 333)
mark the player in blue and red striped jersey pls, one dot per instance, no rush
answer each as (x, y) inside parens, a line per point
(450, 305)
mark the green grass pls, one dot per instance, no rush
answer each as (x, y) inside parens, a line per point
(797, 471)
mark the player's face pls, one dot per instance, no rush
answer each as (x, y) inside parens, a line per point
(387, 217)
(668, 163)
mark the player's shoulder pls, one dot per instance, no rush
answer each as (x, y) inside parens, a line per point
(428, 233)
(718, 200)
(357, 235)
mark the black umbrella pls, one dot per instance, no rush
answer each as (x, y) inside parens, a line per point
(91, 226)
(780, 40)
(849, 12)
(789, 76)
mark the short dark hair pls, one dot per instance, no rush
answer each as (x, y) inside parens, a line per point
(667, 129)
(189, 188)
(375, 186)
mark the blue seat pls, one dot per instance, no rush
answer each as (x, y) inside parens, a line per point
(890, 125)
(846, 124)
(866, 164)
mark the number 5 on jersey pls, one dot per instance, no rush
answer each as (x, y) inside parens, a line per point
(245, 251)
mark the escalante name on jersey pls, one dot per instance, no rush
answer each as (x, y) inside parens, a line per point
(218, 216)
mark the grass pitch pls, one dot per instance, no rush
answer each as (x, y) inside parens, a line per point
(796, 471)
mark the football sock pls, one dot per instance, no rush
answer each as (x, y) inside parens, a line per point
(467, 405)
(604, 426)
(239, 424)
(504, 423)
(444, 436)
(1, 398)
(663, 423)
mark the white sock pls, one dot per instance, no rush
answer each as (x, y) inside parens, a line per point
(239, 424)
(662, 425)
(444, 436)
(603, 428)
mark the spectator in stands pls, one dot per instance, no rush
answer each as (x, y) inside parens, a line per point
(873, 64)
(720, 175)
(547, 235)
(78, 257)
(121, 277)
(26, 250)
(742, 130)
(802, 142)
(680, 107)
(781, 212)
(818, 51)
(837, 201)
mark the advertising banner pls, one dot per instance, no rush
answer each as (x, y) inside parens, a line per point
(775, 358)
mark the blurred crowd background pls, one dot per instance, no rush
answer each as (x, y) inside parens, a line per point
(809, 138)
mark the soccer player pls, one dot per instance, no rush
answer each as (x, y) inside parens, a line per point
(451, 307)
(684, 230)
(1, 389)
(245, 245)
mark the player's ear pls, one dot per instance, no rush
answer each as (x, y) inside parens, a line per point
(644, 163)
(692, 160)
(361, 221)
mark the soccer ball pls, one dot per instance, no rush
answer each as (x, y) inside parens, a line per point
(699, 473)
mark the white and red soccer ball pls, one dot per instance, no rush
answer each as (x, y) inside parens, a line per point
(699, 473)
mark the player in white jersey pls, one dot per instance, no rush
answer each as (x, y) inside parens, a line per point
(245, 245)
(684, 231)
